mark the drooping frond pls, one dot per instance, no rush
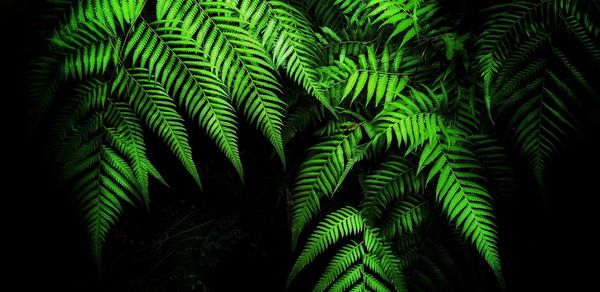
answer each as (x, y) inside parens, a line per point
(381, 77)
(320, 175)
(288, 35)
(92, 161)
(236, 56)
(521, 60)
(106, 179)
(501, 28)
(346, 257)
(370, 259)
(389, 263)
(404, 216)
(410, 122)
(341, 223)
(127, 136)
(462, 198)
(394, 179)
(402, 16)
(542, 123)
(153, 105)
(188, 76)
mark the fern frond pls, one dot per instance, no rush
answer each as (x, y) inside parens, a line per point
(176, 61)
(402, 16)
(349, 278)
(374, 283)
(45, 79)
(407, 123)
(389, 262)
(100, 175)
(581, 19)
(99, 193)
(327, 13)
(111, 16)
(87, 96)
(394, 179)
(461, 197)
(404, 217)
(383, 76)
(299, 118)
(499, 29)
(151, 102)
(320, 175)
(541, 126)
(288, 35)
(341, 223)
(236, 57)
(514, 30)
(128, 138)
(346, 257)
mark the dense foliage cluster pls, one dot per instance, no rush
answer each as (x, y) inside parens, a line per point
(405, 97)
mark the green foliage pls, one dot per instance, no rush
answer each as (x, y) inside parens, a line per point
(522, 60)
(396, 92)
(462, 198)
(321, 174)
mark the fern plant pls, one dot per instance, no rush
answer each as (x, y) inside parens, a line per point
(405, 103)
(123, 68)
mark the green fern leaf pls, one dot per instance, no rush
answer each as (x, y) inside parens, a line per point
(344, 259)
(128, 139)
(405, 216)
(151, 102)
(238, 59)
(394, 179)
(320, 175)
(384, 80)
(389, 263)
(288, 35)
(101, 178)
(341, 223)
(495, 162)
(403, 16)
(187, 75)
(406, 123)
(462, 198)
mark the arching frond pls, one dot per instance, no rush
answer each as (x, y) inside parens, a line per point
(236, 57)
(404, 216)
(382, 77)
(409, 122)
(152, 104)
(320, 175)
(188, 76)
(394, 179)
(288, 35)
(341, 223)
(402, 16)
(520, 60)
(461, 197)
(346, 257)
